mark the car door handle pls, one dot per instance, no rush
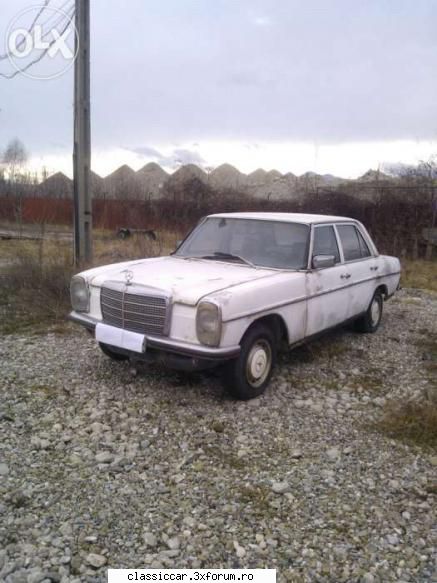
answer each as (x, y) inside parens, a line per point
(345, 275)
(374, 267)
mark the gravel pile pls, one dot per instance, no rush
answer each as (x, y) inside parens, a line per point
(103, 465)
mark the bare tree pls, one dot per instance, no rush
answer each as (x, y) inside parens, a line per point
(424, 177)
(14, 159)
(2, 180)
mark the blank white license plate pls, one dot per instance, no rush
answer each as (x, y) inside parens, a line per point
(121, 338)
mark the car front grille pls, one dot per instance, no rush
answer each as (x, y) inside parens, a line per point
(132, 309)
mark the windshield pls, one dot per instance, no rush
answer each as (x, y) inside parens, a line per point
(262, 243)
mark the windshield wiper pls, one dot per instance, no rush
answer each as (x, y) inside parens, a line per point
(221, 255)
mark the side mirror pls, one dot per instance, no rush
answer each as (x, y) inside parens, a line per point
(322, 261)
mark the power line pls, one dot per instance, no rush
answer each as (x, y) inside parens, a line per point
(30, 30)
(62, 10)
(68, 13)
(43, 54)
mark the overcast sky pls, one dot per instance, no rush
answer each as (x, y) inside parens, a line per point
(332, 86)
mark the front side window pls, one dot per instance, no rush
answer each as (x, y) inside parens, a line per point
(264, 243)
(325, 242)
(353, 243)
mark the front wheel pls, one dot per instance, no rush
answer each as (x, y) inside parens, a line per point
(248, 375)
(371, 320)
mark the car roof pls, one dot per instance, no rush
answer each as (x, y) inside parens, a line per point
(307, 219)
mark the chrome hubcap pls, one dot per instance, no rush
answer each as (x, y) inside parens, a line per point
(375, 312)
(259, 362)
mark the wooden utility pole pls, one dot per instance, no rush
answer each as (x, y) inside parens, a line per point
(83, 249)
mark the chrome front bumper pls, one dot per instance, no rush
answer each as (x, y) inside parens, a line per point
(168, 345)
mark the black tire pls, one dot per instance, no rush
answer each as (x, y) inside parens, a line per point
(370, 321)
(106, 349)
(258, 353)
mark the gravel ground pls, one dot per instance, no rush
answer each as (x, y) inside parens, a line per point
(102, 465)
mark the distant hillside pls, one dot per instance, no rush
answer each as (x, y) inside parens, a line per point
(187, 172)
(374, 176)
(152, 182)
(122, 183)
(56, 186)
(227, 176)
(151, 178)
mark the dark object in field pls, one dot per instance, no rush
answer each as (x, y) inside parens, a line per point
(125, 233)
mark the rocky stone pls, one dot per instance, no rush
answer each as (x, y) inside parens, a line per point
(173, 543)
(150, 539)
(36, 576)
(280, 487)
(333, 454)
(218, 426)
(239, 550)
(104, 457)
(3, 558)
(95, 560)
(317, 407)
(392, 539)
(66, 529)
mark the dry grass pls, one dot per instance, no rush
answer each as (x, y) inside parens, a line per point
(35, 275)
(411, 422)
(419, 274)
(107, 247)
(34, 291)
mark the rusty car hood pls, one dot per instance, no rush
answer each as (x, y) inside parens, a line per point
(185, 280)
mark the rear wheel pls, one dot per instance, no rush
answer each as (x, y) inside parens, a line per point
(106, 349)
(248, 376)
(371, 320)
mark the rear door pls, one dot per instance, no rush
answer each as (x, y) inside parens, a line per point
(327, 298)
(360, 267)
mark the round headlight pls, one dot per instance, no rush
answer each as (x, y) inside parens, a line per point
(208, 324)
(79, 293)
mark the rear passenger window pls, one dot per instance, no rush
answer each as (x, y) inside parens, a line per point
(325, 242)
(365, 251)
(353, 243)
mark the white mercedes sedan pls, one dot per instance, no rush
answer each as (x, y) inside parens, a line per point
(238, 288)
